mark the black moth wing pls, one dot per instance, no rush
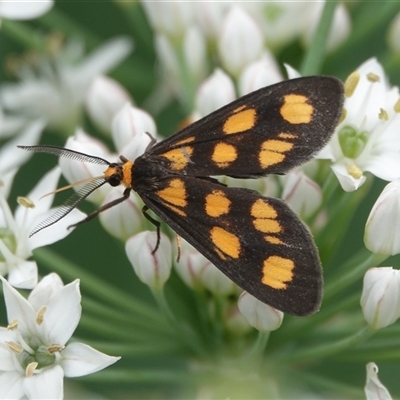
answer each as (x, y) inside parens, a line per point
(245, 242)
(270, 130)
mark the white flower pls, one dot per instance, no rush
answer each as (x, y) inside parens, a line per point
(280, 21)
(216, 91)
(152, 269)
(170, 18)
(374, 390)
(28, 10)
(199, 273)
(240, 41)
(12, 158)
(130, 131)
(393, 36)
(57, 93)
(380, 299)
(382, 230)
(258, 74)
(34, 354)
(259, 315)
(185, 58)
(302, 193)
(367, 139)
(125, 219)
(74, 170)
(105, 97)
(15, 245)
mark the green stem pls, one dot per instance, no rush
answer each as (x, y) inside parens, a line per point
(103, 328)
(120, 319)
(138, 376)
(319, 352)
(257, 351)
(154, 348)
(58, 21)
(98, 287)
(314, 57)
(323, 383)
(184, 330)
(23, 34)
(353, 274)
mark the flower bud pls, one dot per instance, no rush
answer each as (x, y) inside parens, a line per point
(194, 49)
(240, 41)
(302, 193)
(393, 36)
(74, 170)
(129, 129)
(105, 97)
(31, 9)
(196, 271)
(235, 321)
(152, 269)
(381, 233)
(216, 91)
(259, 315)
(124, 220)
(171, 18)
(374, 390)
(380, 299)
(260, 73)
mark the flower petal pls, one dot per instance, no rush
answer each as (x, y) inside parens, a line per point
(11, 385)
(347, 182)
(6, 356)
(22, 274)
(62, 315)
(44, 290)
(18, 308)
(103, 59)
(259, 315)
(374, 390)
(28, 10)
(48, 384)
(78, 359)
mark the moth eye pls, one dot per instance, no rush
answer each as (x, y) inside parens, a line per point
(114, 180)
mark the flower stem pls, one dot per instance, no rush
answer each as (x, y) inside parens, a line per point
(351, 275)
(98, 287)
(23, 34)
(314, 353)
(183, 329)
(314, 57)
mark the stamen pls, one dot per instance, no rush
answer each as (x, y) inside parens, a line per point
(354, 171)
(40, 315)
(351, 83)
(13, 325)
(30, 369)
(25, 202)
(55, 348)
(15, 347)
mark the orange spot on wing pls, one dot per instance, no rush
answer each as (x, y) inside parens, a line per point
(242, 120)
(277, 272)
(296, 110)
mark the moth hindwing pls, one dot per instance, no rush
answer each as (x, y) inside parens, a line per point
(256, 241)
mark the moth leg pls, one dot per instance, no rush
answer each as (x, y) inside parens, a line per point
(153, 140)
(156, 223)
(179, 245)
(113, 203)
